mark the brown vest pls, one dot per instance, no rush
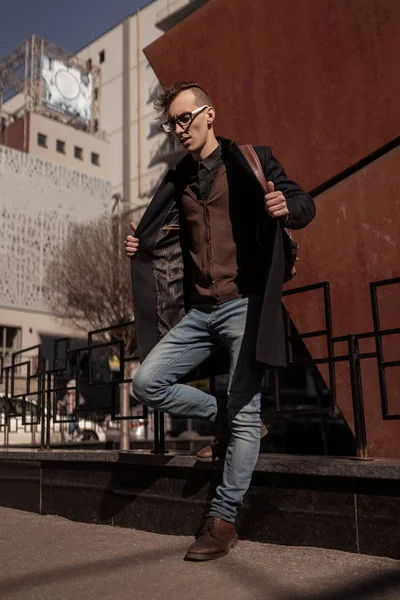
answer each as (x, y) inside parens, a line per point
(221, 272)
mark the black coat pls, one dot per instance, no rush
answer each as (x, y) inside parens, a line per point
(161, 268)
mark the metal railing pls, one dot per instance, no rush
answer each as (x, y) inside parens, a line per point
(353, 357)
(378, 334)
(46, 383)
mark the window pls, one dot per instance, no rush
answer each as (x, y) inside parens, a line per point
(95, 159)
(96, 93)
(42, 140)
(89, 64)
(10, 341)
(78, 152)
(102, 56)
(60, 146)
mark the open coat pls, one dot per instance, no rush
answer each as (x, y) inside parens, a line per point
(161, 269)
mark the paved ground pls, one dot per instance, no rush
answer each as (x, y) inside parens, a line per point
(50, 558)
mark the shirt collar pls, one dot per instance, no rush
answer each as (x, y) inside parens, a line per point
(211, 160)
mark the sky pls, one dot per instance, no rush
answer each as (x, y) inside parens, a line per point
(69, 24)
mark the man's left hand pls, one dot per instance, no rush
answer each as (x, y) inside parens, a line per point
(275, 202)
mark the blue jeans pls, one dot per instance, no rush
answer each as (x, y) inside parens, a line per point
(194, 339)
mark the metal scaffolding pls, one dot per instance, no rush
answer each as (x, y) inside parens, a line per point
(21, 73)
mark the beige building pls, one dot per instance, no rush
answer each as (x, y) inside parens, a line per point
(140, 152)
(71, 148)
(58, 143)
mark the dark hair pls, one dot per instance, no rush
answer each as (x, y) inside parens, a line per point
(169, 94)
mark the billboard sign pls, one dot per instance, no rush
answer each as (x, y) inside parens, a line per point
(66, 89)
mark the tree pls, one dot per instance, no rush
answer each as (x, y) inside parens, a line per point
(88, 283)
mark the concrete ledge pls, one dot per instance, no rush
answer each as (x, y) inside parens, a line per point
(334, 503)
(268, 463)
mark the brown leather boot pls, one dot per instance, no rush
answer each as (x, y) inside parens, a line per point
(215, 539)
(217, 450)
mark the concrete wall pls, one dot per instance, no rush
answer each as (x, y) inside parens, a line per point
(14, 104)
(35, 324)
(72, 137)
(38, 202)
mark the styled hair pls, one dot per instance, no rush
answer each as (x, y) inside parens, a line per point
(169, 94)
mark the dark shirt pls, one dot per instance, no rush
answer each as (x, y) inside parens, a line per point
(226, 257)
(204, 175)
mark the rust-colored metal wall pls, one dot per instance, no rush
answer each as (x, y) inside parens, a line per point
(317, 80)
(13, 134)
(355, 239)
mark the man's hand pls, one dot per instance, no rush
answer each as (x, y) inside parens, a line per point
(131, 242)
(275, 202)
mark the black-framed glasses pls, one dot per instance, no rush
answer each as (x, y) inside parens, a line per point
(184, 120)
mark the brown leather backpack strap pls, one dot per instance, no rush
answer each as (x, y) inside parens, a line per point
(251, 156)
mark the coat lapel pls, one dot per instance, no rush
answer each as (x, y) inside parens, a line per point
(232, 151)
(170, 187)
(164, 193)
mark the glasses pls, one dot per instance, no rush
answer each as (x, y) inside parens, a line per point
(184, 120)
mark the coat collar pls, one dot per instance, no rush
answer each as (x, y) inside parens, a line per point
(230, 150)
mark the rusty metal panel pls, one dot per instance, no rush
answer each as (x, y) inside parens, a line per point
(354, 240)
(316, 80)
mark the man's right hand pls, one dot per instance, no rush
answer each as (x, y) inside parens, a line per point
(131, 242)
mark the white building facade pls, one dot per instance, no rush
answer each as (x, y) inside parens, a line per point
(139, 151)
(39, 201)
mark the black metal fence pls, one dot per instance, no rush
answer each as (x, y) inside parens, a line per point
(37, 405)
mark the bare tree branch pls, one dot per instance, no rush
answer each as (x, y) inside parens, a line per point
(88, 283)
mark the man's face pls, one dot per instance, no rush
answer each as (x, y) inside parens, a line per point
(194, 136)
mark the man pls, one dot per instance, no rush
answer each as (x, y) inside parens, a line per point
(68, 405)
(114, 364)
(209, 268)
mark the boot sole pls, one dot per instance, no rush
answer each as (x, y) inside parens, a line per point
(201, 557)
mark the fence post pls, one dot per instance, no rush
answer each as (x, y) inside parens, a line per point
(156, 418)
(124, 442)
(42, 404)
(357, 398)
(159, 433)
(48, 409)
